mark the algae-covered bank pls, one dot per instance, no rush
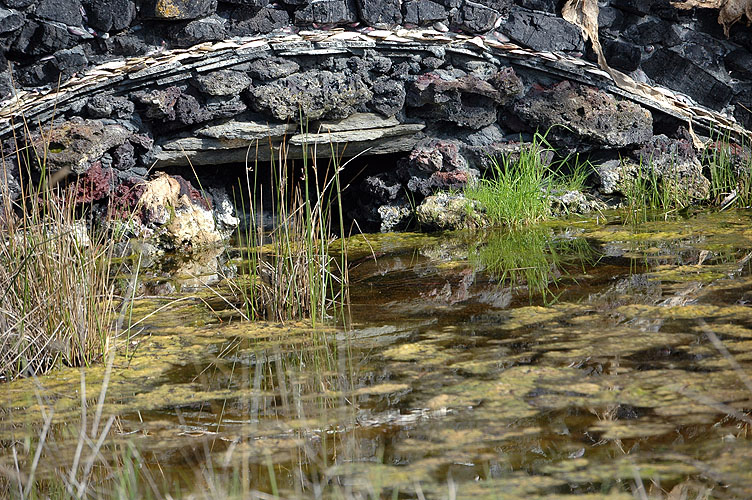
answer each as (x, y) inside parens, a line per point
(583, 358)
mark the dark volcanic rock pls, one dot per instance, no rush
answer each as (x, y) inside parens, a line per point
(550, 6)
(108, 106)
(478, 18)
(177, 9)
(457, 97)
(388, 97)
(126, 44)
(327, 12)
(62, 66)
(382, 187)
(677, 72)
(172, 108)
(421, 12)
(739, 64)
(434, 155)
(592, 117)
(63, 11)
(272, 68)
(110, 15)
(10, 20)
(18, 4)
(264, 21)
(743, 107)
(314, 93)
(648, 32)
(75, 144)
(673, 163)
(257, 4)
(639, 7)
(542, 32)
(622, 55)
(381, 13)
(610, 20)
(222, 82)
(41, 38)
(6, 84)
(158, 104)
(197, 31)
(435, 164)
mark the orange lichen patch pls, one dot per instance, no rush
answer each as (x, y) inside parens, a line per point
(167, 9)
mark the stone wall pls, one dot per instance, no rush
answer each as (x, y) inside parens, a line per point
(686, 50)
(136, 91)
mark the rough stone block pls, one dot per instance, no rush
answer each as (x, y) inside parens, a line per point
(388, 97)
(268, 20)
(676, 72)
(592, 116)
(197, 31)
(110, 15)
(463, 99)
(10, 20)
(63, 11)
(272, 68)
(41, 38)
(18, 4)
(222, 83)
(542, 31)
(475, 17)
(421, 12)
(622, 55)
(648, 32)
(739, 63)
(550, 6)
(327, 12)
(315, 93)
(380, 13)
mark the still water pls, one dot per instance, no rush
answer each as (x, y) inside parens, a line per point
(582, 359)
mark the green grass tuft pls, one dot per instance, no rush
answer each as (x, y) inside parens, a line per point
(518, 192)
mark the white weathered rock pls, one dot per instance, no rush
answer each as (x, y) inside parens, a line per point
(180, 221)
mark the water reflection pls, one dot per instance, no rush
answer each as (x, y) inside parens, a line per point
(461, 377)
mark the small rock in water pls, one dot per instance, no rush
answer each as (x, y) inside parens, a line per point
(577, 453)
(444, 211)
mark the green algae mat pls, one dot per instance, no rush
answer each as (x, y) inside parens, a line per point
(578, 359)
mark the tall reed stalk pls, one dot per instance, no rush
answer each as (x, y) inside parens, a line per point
(56, 296)
(290, 271)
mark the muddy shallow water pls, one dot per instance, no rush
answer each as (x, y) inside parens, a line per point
(581, 357)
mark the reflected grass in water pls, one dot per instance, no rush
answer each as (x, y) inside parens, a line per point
(531, 257)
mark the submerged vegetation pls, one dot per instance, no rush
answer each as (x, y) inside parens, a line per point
(445, 384)
(578, 399)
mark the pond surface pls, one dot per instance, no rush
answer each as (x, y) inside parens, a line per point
(582, 358)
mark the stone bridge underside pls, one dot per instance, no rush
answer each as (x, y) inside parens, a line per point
(445, 100)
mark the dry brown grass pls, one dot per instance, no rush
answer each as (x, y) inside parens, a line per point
(56, 295)
(56, 298)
